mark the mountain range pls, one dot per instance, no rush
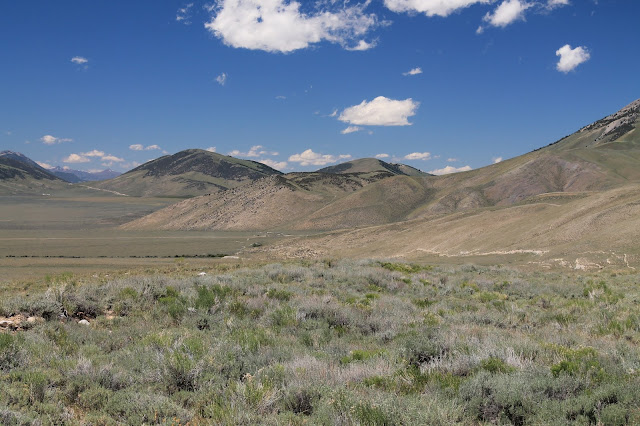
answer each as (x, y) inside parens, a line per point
(75, 176)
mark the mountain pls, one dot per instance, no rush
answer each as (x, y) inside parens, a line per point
(19, 174)
(187, 173)
(369, 165)
(75, 176)
(580, 193)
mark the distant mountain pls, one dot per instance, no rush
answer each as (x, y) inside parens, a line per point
(368, 165)
(75, 176)
(187, 173)
(19, 174)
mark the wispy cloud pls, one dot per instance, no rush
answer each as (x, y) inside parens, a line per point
(211, 149)
(278, 165)
(380, 111)
(414, 71)
(382, 155)
(222, 79)
(184, 14)
(140, 147)
(351, 129)
(310, 158)
(442, 8)
(496, 160)
(254, 152)
(507, 13)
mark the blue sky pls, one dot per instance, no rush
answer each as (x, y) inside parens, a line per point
(437, 84)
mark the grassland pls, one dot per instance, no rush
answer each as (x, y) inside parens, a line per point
(328, 342)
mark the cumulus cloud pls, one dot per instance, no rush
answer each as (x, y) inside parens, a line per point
(351, 129)
(496, 160)
(280, 25)
(52, 140)
(184, 14)
(507, 13)
(383, 155)
(414, 71)
(94, 153)
(450, 169)
(431, 7)
(571, 58)
(211, 149)
(380, 112)
(418, 156)
(44, 165)
(310, 158)
(278, 165)
(254, 152)
(222, 79)
(75, 158)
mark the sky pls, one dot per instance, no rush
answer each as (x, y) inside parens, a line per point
(441, 85)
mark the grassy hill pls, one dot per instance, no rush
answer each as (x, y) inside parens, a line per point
(187, 173)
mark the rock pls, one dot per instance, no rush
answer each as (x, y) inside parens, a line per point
(34, 320)
(7, 324)
(202, 274)
(84, 322)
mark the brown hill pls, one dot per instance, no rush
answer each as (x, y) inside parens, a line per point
(558, 196)
(368, 165)
(187, 173)
(21, 175)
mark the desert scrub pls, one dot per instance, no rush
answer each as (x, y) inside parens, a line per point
(336, 342)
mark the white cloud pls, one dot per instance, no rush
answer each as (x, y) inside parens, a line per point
(450, 169)
(222, 79)
(363, 45)
(280, 25)
(44, 165)
(496, 160)
(310, 158)
(254, 152)
(183, 15)
(334, 113)
(211, 149)
(507, 13)
(571, 58)
(418, 156)
(380, 112)
(75, 158)
(52, 140)
(382, 155)
(79, 60)
(278, 165)
(431, 7)
(414, 71)
(553, 4)
(112, 158)
(140, 147)
(351, 129)
(452, 160)
(281, 97)
(94, 153)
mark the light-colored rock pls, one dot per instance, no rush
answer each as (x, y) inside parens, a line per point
(84, 322)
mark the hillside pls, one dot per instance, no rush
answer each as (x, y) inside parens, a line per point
(75, 176)
(276, 202)
(19, 174)
(568, 195)
(370, 165)
(187, 173)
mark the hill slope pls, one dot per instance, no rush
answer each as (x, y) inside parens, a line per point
(370, 165)
(19, 174)
(187, 173)
(566, 169)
